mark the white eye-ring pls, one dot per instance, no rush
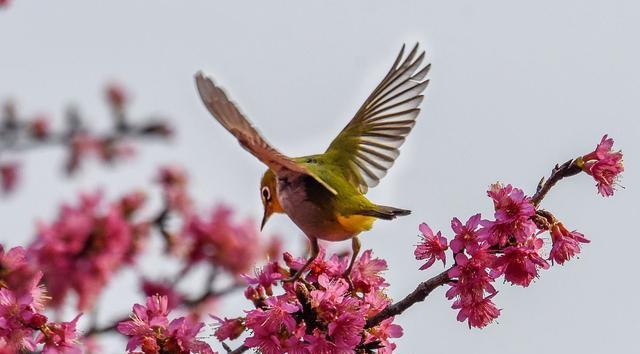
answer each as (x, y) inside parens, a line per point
(266, 194)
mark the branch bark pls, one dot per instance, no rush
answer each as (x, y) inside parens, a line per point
(419, 294)
(241, 349)
(567, 169)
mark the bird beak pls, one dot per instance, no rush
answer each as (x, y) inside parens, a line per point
(265, 217)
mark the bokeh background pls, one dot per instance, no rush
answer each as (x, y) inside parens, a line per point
(515, 88)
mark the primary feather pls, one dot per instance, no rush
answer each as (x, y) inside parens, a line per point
(369, 145)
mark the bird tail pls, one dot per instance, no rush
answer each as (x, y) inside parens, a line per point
(385, 212)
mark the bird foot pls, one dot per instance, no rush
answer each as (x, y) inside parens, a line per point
(347, 277)
(290, 279)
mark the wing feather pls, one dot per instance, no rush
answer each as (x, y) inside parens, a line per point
(227, 113)
(369, 145)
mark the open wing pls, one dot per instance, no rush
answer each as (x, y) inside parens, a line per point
(368, 146)
(228, 114)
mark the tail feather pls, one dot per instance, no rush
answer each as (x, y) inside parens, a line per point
(385, 212)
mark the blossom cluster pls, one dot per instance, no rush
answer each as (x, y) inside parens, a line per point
(150, 330)
(23, 326)
(322, 313)
(509, 245)
(213, 238)
(87, 244)
(604, 165)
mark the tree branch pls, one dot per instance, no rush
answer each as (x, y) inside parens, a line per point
(419, 294)
(241, 349)
(567, 169)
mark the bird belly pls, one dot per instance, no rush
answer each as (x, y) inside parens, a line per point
(356, 223)
(312, 211)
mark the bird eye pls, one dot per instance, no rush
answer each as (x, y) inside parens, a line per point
(266, 194)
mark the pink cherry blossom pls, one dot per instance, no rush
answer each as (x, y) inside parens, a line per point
(266, 277)
(265, 340)
(60, 338)
(39, 127)
(116, 95)
(321, 314)
(478, 313)
(382, 333)
(234, 246)
(472, 282)
(510, 203)
(9, 175)
(182, 337)
(333, 266)
(83, 248)
(466, 235)
(604, 165)
(173, 180)
(229, 328)
(346, 330)
(367, 273)
(151, 288)
(513, 211)
(431, 248)
(277, 314)
(81, 146)
(16, 314)
(520, 264)
(566, 244)
(150, 330)
(20, 276)
(472, 276)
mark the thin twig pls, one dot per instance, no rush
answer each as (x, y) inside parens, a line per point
(95, 330)
(569, 168)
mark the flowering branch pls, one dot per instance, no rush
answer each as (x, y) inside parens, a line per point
(18, 135)
(567, 169)
(318, 314)
(322, 312)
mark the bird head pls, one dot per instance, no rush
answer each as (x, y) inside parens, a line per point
(269, 196)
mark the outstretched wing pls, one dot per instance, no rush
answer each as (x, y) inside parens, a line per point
(368, 146)
(228, 114)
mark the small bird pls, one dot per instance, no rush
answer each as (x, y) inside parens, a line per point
(324, 194)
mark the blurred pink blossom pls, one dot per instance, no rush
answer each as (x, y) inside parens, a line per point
(39, 127)
(173, 180)
(22, 301)
(84, 247)
(233, 246)
(9, 175)
(116, 95)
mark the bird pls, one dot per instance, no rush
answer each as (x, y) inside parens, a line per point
(324, 194)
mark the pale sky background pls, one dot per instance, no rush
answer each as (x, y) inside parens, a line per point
(514, 90)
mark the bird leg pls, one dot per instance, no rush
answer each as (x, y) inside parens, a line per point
(315, 250)
(355, 246)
